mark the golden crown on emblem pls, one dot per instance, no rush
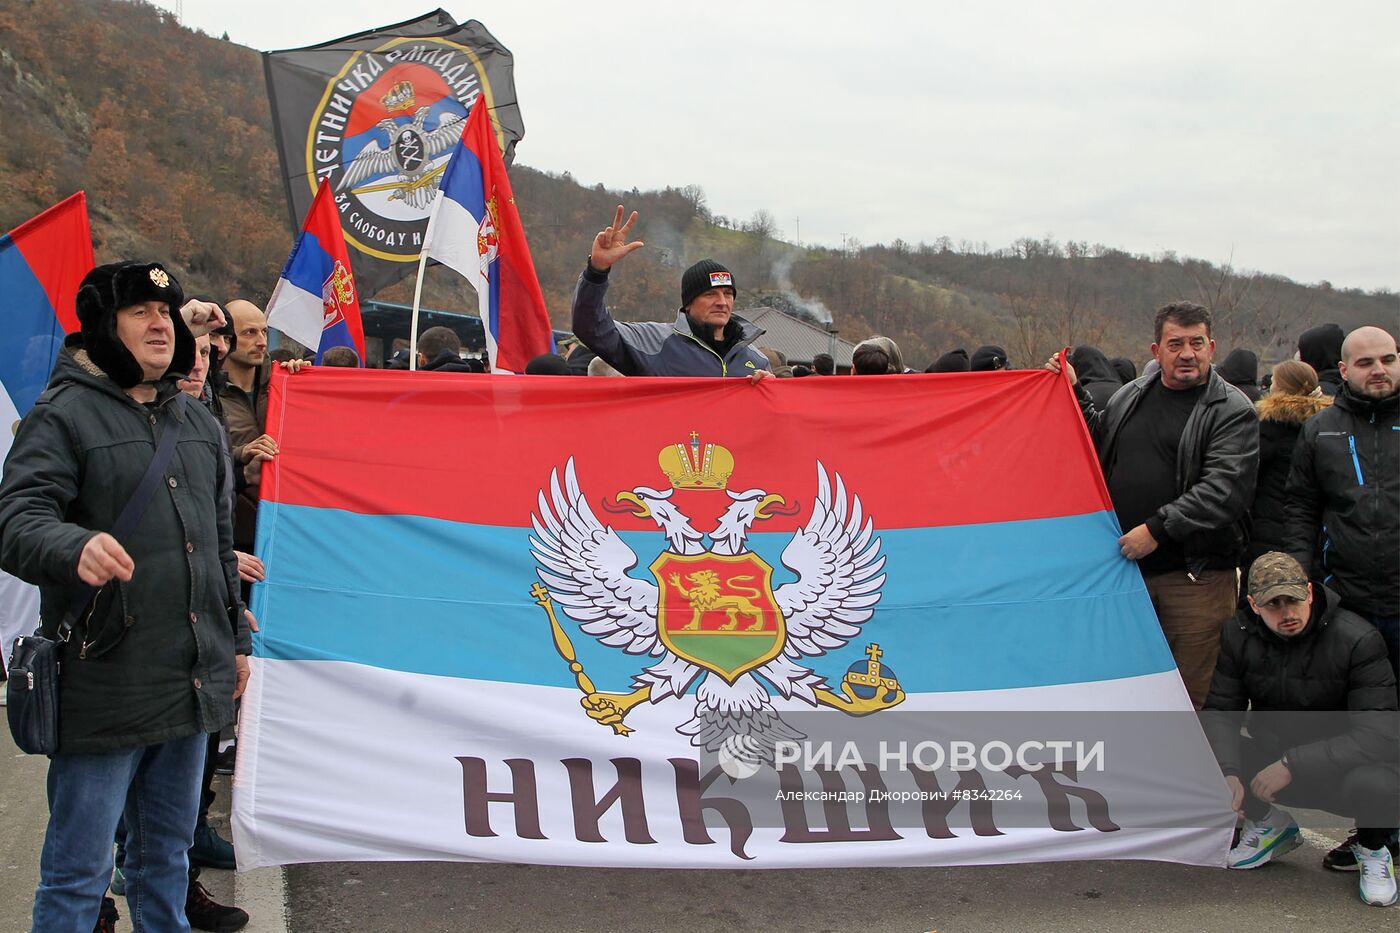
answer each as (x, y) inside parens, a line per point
(696, 466)
(400, 97)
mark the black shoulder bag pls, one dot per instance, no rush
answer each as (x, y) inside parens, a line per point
(32, 689)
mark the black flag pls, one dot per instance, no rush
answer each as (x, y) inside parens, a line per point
(378, 113)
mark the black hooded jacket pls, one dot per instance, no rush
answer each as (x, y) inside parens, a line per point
(447, 361)
(1241, 370)
(1345, 482)
(1321, 348)
(1096, 374)
(1338, 664)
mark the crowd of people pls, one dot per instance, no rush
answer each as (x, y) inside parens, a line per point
(1264, 519)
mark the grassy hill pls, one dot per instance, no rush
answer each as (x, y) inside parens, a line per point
(168, 130)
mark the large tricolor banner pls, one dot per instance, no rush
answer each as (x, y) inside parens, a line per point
(42, 262)
(704, 623)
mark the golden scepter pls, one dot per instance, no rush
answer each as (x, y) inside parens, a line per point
(565, 647)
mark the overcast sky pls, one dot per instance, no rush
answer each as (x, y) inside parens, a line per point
(1263, 130)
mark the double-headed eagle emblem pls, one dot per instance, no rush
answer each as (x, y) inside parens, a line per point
(409, 154)
(710, 613)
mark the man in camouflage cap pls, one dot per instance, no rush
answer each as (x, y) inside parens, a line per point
(1297, 651)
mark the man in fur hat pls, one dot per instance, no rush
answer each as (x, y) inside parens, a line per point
(156, 662)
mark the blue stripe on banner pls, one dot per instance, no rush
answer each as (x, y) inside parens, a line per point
(33, 335)
(309, 265)
(337, 335)
(493, 276)
(973, 607)
(464, 182)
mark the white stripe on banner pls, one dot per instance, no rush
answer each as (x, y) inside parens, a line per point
(352, 762)
(297, 313)
(19, 601)
(451, 239)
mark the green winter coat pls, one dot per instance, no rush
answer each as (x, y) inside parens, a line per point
(154, 658)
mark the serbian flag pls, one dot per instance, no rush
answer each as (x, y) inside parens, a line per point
(42, 261)
(315, 301)
(701, 634)
(475, 230)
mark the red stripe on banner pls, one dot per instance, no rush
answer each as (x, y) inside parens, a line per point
(978, 447)
(57, 245)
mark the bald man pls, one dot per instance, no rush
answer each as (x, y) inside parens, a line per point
(1344, 487)
(244, 400)
(1343, 498)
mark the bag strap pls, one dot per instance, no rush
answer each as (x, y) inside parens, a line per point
(134, 509)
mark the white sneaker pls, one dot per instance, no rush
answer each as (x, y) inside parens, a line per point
(1266, 840)
(1377, 875)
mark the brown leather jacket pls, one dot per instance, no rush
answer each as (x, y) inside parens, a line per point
(246, 419)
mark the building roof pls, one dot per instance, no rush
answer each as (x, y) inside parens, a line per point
(799, 340)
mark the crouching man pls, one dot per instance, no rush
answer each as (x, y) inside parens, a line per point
(155, 661)
(1295, 658)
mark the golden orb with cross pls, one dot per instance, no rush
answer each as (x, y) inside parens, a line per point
(869, 678)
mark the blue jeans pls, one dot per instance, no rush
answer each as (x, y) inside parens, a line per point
(156, 788)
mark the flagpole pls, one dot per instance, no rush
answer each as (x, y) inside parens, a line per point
(413, 326)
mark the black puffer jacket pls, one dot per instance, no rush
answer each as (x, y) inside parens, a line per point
(154, 660)
(1345, 485)
(448, 361)
(1281, 418)
(1215, 468)
(1339, 664)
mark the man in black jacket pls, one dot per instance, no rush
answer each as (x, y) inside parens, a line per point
(1293, 658)
(1344, 490)
(1179, 449)
(440, 351)
(1345, 485)
(159, 658)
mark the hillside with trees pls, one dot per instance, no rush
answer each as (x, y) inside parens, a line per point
(168, 130)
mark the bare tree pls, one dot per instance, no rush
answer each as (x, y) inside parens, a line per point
(1253, 311)
(694, 195)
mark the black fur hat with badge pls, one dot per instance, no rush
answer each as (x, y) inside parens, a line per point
(111, 287)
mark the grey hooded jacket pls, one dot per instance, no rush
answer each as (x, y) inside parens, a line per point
(654, 348)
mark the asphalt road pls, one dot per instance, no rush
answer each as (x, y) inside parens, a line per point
(1295, 894)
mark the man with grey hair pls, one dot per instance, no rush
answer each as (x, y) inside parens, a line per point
(1179, 449)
